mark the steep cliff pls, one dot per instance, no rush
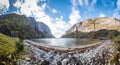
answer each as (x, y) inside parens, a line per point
(15, 25)
(105, 24)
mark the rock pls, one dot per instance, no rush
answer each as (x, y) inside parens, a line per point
(73, 60)
(44, 62)
(59, 63)
(64, 55)
(65, 61)
(91, 57)
(27, 58)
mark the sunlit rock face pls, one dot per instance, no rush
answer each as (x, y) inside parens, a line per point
(96, 24)
(94, 27)
(99, 55)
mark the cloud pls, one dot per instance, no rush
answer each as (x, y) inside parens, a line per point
(118, 4)
(101, 15)
(74, 2)
(54, 11)
(74, 16)
(30, 8)
(61, 27)
(116, 12)
(93, 2)
(18, 4)
(86, 2)
(80, 2)
(4, 6)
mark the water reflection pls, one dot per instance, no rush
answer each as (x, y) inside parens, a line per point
(65, 42)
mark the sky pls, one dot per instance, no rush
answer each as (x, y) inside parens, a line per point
(60, 15)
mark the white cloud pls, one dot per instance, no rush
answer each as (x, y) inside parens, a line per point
(4, 5)
(80, 2)
(74, 2)
(101, 15)
(54, 11)
(74, 16)
(18, 4)
(61, 27)
(86, 2)
(30, 8)
(116, 12)
(118, 4)
(93, 2)
(61, 17)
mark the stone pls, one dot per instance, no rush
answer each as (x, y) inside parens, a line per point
(73, 60)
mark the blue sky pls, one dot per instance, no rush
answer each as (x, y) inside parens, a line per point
(60, 15)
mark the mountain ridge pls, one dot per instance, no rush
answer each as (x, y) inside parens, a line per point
(12, 24)
(94, 25)
(87, 24)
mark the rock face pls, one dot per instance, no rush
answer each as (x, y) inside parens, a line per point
(20, 26)
(41, 27)
(96, 24)
(44, 28)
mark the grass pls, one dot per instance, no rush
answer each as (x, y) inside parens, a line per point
(113, 58)
(7, 44)
(8, 47)
(116, 45)
(89, 41)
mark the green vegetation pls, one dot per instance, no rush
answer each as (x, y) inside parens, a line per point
(9, 49)
(115, 57)
(15, 25)
(117, 39)
(103, 33)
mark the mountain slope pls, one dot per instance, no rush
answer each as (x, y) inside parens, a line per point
(94, 25)
(21, 26)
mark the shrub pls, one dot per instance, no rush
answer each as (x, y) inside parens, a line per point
(117, 39)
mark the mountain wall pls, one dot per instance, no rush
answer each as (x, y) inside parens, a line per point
(15, 25)
(104, 24)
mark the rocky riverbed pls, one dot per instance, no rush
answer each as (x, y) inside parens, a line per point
(98, 54)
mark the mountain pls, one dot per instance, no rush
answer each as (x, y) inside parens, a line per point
(41, 27)
(45, 29)
(93, 27)
(15, 25)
